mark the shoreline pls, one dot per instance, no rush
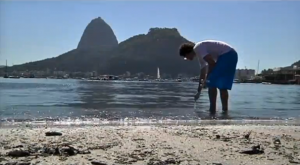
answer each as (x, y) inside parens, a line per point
(147, 122)
(153, 145)
(285, 82)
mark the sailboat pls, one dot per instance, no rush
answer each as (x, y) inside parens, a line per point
(5, 74)
(158, 78)
(258, 78)
(257, 72)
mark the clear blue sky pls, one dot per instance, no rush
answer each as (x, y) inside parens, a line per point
(265, 31)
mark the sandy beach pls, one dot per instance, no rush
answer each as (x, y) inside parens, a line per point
(151, 145)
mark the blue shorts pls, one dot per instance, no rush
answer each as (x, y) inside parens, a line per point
(223, 73)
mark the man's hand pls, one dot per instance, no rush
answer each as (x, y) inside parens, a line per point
(204, 84)
(200, 87)
(202, 78)
(196, 97)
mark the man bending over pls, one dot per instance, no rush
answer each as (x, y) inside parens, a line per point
(221, 59)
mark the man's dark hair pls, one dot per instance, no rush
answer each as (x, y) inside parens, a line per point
(186, 48)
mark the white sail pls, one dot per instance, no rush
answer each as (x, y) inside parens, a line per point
(158, 73)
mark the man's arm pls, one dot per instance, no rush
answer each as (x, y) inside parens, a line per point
(202, 78)
(211, 62)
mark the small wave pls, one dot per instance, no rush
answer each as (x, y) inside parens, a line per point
(141, 122)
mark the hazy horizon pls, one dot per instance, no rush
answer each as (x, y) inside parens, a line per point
(265, 31)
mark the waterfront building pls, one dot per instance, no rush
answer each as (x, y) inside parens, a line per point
(244, 74)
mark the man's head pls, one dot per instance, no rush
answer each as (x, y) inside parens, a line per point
(186, 50)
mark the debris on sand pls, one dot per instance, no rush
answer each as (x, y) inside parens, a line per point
(247, 136)
(53, 134)
(63, 151)
(98, 163)
(254, 150)
(276, 141)
(18, 153)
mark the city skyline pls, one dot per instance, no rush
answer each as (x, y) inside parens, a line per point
(264, 31)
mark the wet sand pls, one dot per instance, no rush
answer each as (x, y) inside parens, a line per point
(151, 145)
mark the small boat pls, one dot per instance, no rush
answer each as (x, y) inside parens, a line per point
(195, 79)
(31, 76)
(179, 80)
(15, 77)
(160, 80)
(143, 79)
(266, 83)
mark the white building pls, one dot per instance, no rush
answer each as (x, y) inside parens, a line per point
(244, 74)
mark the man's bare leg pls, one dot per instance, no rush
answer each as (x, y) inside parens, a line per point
(224, 99)
(212, 92)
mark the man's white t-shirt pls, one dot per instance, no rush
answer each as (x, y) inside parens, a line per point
(215, 48)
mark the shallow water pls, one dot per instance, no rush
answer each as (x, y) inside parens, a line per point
(67, 100)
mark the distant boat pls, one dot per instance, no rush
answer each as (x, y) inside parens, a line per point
(266, 83)
(195, 79)
(158, 78)
(236, 81)
(158, 73)
(16, 77)
(143, 80)
(31, 75)
(179, 80)
(5, 74)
